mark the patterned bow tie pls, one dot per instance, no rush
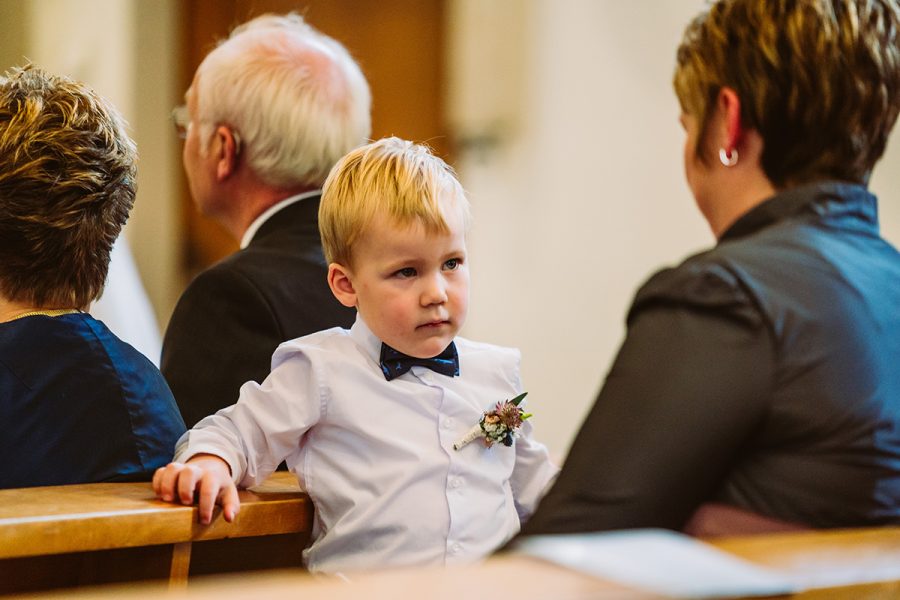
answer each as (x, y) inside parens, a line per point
(395, 363)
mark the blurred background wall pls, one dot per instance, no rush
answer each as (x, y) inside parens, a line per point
(558, 115)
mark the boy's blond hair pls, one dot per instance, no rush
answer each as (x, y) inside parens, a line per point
(392, 177)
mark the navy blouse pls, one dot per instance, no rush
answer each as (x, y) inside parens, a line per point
(763, 374)
(78, 405)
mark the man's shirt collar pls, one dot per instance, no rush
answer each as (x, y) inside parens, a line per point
(258, 222)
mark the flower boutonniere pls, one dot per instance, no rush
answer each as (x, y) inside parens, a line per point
(498, 425)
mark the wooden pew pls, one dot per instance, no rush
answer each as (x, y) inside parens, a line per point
(64, 536)
(59, 537)
(840, 564)
(837, 563)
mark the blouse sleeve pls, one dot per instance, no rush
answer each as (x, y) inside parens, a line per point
(684, 395)
(267, 423)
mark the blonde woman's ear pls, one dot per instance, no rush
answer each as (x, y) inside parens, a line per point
(341, 283)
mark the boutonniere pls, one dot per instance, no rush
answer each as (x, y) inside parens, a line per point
(498, 425)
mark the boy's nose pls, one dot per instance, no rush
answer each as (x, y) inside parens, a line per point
(434, 291)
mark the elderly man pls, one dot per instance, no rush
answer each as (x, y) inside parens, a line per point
(270, 110)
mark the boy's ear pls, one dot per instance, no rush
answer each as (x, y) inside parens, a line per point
(341, 284)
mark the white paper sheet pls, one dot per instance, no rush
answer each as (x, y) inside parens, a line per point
(659, 561)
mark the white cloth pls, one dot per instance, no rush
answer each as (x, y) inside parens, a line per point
(124, 306)
(377, 457)
(267, 214)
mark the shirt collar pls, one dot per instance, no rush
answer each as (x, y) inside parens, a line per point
(365, 339)
(258, 222)
(825, 198)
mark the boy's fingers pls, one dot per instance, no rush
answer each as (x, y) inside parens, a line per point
(164, 480)
(187, 483)
(209, 491)
(157, 481)
(177, 482)
(231, 503)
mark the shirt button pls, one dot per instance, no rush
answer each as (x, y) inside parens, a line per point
(448, 423)
(455, 548)
(455, 482)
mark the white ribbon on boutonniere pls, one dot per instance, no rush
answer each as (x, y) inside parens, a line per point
(498, 425)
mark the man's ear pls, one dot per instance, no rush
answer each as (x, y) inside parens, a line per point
(226, 148)
(341, 283)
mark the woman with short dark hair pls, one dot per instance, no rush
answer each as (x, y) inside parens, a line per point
(76, 403)
(758, 387)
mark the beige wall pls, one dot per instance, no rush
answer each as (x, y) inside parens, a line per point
(13, 23)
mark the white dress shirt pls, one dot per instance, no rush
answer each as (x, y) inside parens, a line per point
(125, 307)
(377, 457)
(267, 214)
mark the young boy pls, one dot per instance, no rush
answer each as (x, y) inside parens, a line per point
(368, 431)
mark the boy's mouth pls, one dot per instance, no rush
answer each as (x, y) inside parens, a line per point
(433, 324)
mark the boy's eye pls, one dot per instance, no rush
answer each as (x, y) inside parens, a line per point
(407, 272)
(452, 264)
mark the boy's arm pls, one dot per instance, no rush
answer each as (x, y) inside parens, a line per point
(207, 475)
(266, 425)
(533, 474)
(243, 443)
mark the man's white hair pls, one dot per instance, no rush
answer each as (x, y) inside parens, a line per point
(296, 98)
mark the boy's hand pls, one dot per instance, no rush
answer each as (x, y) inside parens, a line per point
(209, 476)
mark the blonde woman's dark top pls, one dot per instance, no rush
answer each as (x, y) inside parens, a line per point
(78, 405)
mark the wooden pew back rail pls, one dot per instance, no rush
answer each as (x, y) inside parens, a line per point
(64, 536)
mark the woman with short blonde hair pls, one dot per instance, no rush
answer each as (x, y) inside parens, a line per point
(77, 404)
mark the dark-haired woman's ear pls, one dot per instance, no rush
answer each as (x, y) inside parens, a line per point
(731, 131)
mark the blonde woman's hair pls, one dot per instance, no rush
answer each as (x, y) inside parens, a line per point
(818, 79)
(67, 184)
(392, 177)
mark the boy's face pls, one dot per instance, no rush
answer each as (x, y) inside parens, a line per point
(410, 287)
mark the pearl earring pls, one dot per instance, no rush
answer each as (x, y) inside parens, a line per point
(729, 159)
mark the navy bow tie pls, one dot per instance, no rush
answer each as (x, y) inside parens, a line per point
(395, 363)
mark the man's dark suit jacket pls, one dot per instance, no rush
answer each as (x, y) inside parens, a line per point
(232, 316)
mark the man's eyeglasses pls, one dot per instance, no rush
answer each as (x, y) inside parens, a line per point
(181, 118)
